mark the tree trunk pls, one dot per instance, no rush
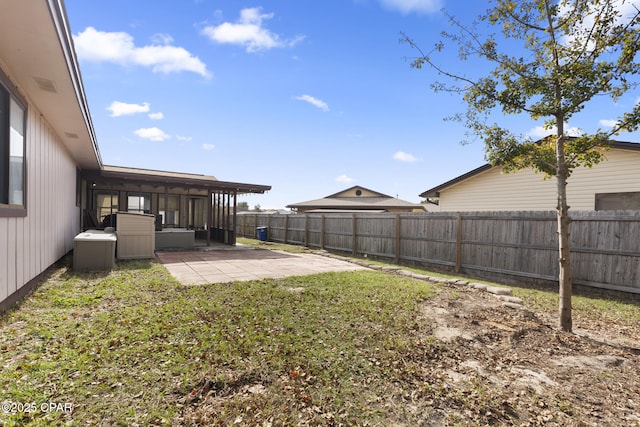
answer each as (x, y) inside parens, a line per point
(564, 251)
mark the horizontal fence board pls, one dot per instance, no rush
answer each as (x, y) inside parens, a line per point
(521, 245)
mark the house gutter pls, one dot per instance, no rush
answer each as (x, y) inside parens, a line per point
(61, 23)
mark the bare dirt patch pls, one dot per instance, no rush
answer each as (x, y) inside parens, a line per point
(500, 364)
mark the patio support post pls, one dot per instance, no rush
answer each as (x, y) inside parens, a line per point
(235, 217)
(209, 216)
(227, 219)
(222, 221)
(221, 231)
(214, 209)
(216, 213)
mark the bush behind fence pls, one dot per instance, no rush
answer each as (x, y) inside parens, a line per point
(517, 246)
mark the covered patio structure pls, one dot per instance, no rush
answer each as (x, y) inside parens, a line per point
(180, 201)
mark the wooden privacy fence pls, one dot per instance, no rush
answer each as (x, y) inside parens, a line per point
(516, 246)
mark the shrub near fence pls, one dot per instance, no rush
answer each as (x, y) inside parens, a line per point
(516, 246)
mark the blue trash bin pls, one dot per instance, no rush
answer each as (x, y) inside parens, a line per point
(261, 232)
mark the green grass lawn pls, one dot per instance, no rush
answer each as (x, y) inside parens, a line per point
(134, 347)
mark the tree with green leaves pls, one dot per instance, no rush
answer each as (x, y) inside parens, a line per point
(552, 59)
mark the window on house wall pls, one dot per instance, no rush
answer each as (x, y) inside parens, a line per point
(169, 208)
(618, 201)
(12, 154)
(139, 202)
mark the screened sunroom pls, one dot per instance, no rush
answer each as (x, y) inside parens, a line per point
(200, 204)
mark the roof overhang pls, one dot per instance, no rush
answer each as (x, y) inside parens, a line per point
(435, 191)
(36, 49)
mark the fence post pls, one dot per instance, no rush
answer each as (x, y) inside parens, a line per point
(354, 237)
(286, 227)
(255, 226)
(458, 242)
(397, 238)
(322, 232)
(306, 231)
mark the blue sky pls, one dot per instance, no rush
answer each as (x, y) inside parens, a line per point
(310, 97)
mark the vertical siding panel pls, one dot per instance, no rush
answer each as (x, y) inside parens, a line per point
(56, 205)
(11, 255)
(31, 182)
(42, 189)
(37, 186)
(45, 195)
(26, 231)
(56, 187)
(20, 245)
(4, 257)
(49, 211)
(37, 189)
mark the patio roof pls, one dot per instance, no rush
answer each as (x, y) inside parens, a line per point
(157, 177)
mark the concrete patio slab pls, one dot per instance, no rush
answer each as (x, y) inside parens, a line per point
(242, 263)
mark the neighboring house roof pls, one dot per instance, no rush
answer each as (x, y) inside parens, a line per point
(345, 201)
(435, 191)
(36, 47)
(149, 176)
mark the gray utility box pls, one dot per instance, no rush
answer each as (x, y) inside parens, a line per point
(94, 250)
(175, 238)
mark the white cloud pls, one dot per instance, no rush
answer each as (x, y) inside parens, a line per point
(344, 178)
(118, 108)
(156, 116)
(183, 138)
(313, 101)
(152, 134)
(405, 157)
(161, 38)
(119, 48)
(208, 147)
(249, 32)
(541, 132)
(410, 6)
(608, 123)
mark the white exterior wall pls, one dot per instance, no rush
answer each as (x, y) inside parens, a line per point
(29, 245)
(493, 190)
